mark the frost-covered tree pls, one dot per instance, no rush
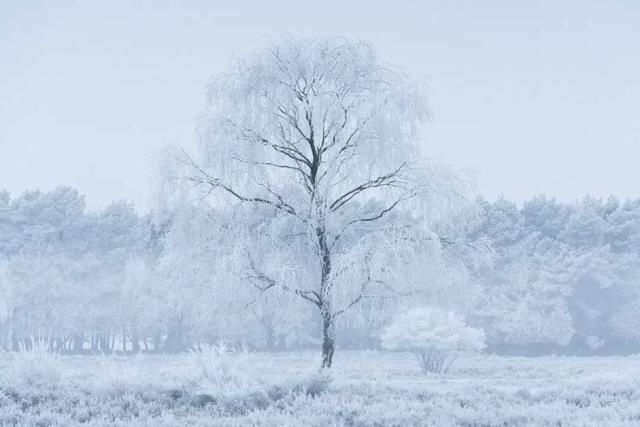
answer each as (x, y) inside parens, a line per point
(435, 336)
(324, 139)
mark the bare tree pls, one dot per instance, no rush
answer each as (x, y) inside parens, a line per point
(321, 135)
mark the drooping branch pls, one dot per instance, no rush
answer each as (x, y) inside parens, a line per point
(380, 214)
(205, 178)
(353, 302)
(387, 180)
(280, 204)
(269, 282)
(363, 294)
(375, 217)
(271, 164)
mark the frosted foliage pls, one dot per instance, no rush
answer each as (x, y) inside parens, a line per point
(167, 189)
(432, 328)
(364, 120)
(205, 270)
(528, 304)
(434, 336)
(334, 86)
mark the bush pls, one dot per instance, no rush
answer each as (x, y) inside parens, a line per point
(219, 369)
(36, 364)
(434, 336)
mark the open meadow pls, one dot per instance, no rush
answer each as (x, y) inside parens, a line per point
(362, 389)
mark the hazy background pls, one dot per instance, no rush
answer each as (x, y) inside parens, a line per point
(537, 96)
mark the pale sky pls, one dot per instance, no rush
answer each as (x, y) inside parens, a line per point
(535, 96)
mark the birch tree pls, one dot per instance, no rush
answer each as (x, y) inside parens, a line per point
(324, 138)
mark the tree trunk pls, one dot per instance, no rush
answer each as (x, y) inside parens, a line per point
(328, 330)
(328, 342)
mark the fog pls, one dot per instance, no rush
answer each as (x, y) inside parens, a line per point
(514, 88)
(369, 214)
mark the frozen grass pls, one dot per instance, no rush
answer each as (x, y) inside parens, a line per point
(220, 370)
(364, 389)
(35, 365)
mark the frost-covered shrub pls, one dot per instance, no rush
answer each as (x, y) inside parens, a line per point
(36, 364)
(435, 336)
(220, 369)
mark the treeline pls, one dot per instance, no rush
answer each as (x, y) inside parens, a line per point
(563, 277)
(76, 278)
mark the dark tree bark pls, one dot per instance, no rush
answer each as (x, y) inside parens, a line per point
(328, 330)
(328, 342)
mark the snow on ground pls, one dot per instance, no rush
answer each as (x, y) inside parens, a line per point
(364, 388)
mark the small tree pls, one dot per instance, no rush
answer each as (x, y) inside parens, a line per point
(434, 336)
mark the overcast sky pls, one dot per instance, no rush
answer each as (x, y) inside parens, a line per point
(535, 96)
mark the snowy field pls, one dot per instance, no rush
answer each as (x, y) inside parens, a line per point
(364, 388)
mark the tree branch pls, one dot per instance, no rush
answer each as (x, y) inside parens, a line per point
(376, 217)
(381, 181)
(271, 283)
(216, 183)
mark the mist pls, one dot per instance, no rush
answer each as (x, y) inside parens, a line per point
(361, 215)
